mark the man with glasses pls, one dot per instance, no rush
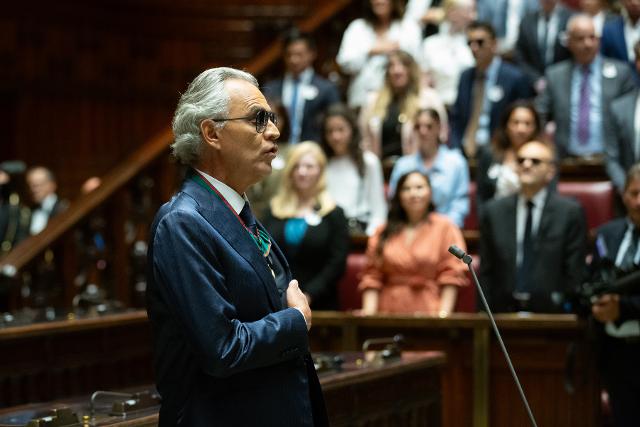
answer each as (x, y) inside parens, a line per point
(229, 324)
(532, 244)
(484, 91)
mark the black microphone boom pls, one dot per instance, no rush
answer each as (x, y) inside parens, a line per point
(462, 255)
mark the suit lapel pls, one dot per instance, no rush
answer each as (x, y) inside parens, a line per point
(226, 223)
(510, 230)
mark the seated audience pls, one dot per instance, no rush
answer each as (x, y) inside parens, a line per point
(308, 226)
(540, 41)
(623, 149)
(354, 176)
(367, 41)
(46, 204)
(409, 268)
(532, 244)
(579, 92)
(447, 168)
(304, 93)
(617, 244)
(484, 91)
(386, 120)
(497, 163)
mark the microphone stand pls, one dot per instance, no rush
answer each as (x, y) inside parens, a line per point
(460, 254)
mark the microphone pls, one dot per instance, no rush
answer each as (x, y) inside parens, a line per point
(462, 255)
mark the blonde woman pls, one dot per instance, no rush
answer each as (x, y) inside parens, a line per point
(386, 121)
(308, 226)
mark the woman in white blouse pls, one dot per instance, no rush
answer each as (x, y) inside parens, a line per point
(367, 41)
(446, 55)
(354, 177)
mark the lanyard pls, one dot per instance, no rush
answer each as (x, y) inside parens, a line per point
(260, 238)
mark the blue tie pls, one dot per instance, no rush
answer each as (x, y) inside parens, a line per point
(523, 282)
(293, 113)
(247, 216)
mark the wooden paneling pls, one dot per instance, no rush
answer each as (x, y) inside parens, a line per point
(83, 84)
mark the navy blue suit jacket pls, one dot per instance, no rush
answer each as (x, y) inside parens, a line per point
(514, 84)
(313, 108)
(226, 351)
(612, 42)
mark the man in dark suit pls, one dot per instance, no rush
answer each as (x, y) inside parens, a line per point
(539, 40)
(229, 324)
(623, 150)
(579, 92)
(46, 203)
(618, 243)
(619, 34)
(532, 244)
(484, 91)
(304, 93)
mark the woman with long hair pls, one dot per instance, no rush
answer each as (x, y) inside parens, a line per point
(387, 120)
(446, 167)
(308, 226)
(367, 41)
(354, 176)
(497, 163)
(409, 268)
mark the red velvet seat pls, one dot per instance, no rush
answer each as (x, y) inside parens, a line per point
(595, 197)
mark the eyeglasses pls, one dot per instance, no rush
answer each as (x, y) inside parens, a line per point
(261, 119)
(479, 42)
(534, 160)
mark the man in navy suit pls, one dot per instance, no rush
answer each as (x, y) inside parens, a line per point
(229, 324)
(303, 93)
(619, 34)
(540, 40)
(484, 91)
(618, 243)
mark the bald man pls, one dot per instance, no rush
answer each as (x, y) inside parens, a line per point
(579, 92)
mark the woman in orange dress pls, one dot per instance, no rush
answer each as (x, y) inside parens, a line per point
(409, 268)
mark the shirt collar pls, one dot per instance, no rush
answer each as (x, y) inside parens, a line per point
(304, 77)
(49, 202)
(538, 199)
(235, 200)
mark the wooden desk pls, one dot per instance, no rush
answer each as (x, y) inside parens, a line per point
(477, 387)
(401, 392)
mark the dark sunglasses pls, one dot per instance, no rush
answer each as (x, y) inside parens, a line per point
(479, 42)
(261, 119)
(534, 161)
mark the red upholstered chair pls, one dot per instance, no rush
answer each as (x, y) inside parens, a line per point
(597, 199)
(348, 295)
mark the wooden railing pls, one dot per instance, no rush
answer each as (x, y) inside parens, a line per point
(117, 197)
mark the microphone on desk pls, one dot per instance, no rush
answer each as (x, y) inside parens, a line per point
(462, 255)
